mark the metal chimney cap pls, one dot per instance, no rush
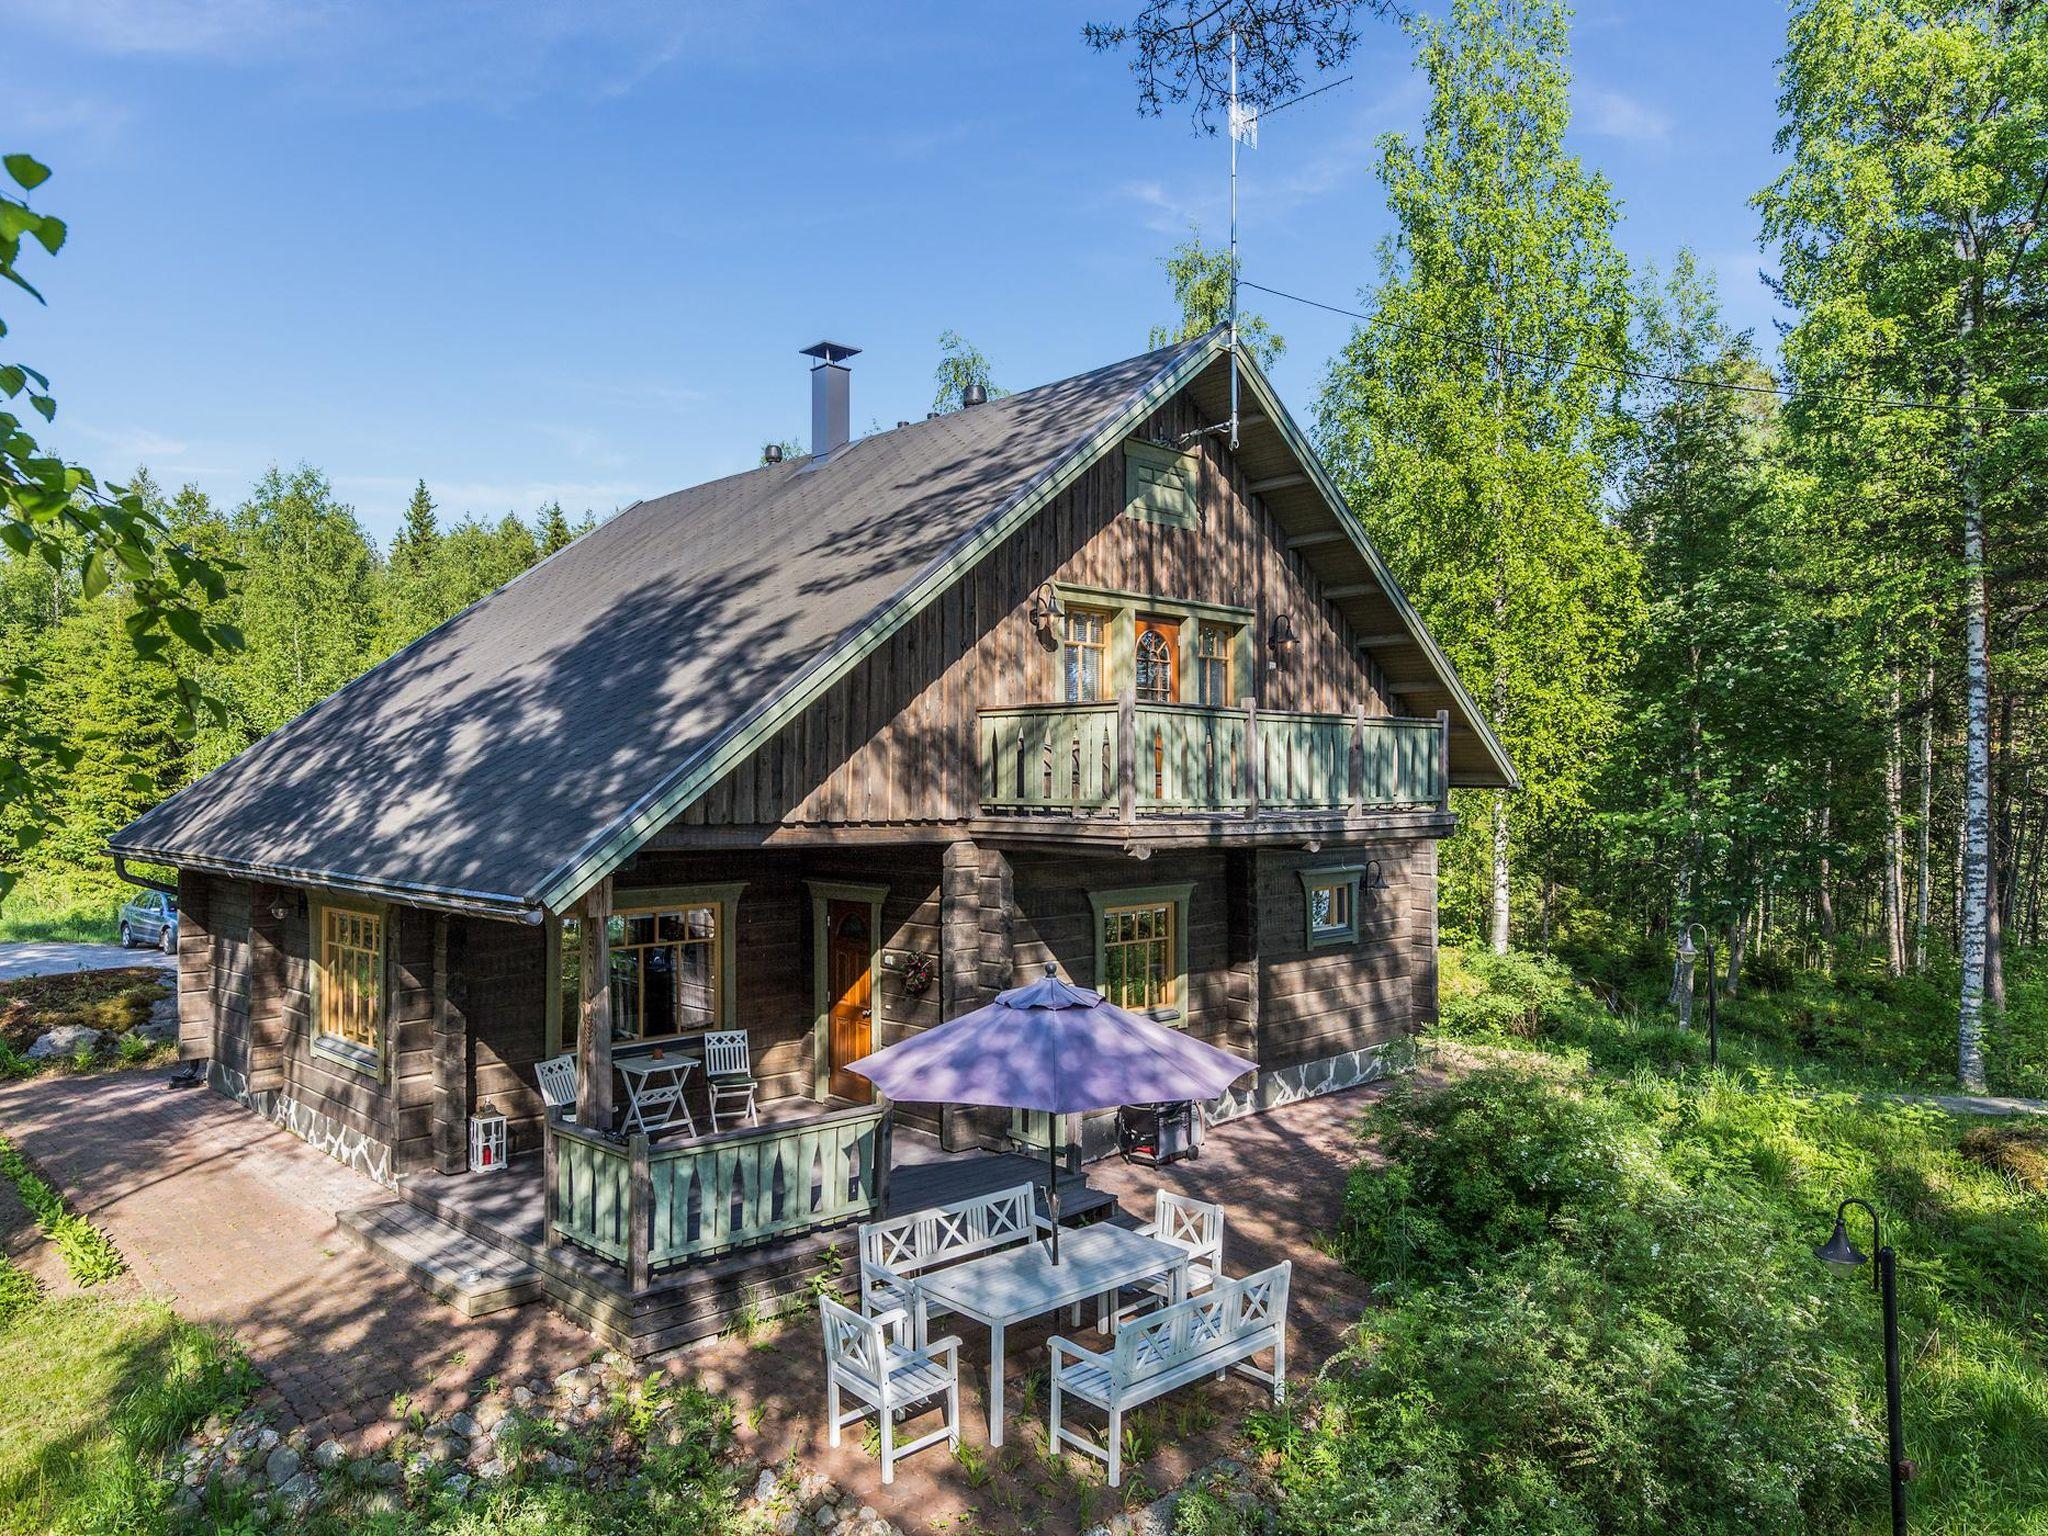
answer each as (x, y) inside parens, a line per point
(772, 454)
(830, 352)
(973, 394)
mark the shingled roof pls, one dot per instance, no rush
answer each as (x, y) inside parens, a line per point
(510, 757)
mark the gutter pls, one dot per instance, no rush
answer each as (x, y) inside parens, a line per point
(147, 882)
(504, 909)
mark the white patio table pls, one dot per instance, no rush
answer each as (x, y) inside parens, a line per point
(1021, 1283)
(654, 1090)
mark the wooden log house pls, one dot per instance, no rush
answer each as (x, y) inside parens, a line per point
(830, 751)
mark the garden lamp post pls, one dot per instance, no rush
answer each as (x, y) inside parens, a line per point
(1688, 952)
(1839, 1253)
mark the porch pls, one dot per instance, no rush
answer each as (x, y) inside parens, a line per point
(564, 1227)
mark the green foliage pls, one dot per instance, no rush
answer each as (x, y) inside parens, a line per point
(1200, 276)
(92, 538)
(19, 1291)
(1600, 1312)
(1471, 421)
(88, 1253)
(961, 365)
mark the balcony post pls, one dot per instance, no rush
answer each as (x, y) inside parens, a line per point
(1443, 760)
(1254, 759)
(639, 1212)
(1127, 752)
(1357, 762)
(594, 1019)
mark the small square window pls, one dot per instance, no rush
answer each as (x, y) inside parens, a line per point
(1330, 897)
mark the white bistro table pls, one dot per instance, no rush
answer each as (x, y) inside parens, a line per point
(654, 1089)
(1021, 1283)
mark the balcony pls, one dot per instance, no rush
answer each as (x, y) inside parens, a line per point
(1127, 759)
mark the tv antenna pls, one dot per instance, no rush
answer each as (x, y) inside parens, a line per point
(1244, 129)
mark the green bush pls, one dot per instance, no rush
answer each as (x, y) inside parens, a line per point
(88, 1253)
(1598, 1310)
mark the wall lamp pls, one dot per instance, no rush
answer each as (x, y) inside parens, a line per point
(1046, 610)
(1281, 640)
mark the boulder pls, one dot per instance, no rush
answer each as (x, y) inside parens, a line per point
(328, 1455)
(282, 1466)
(65, 1041)
(465, 1425)
(299, 1494)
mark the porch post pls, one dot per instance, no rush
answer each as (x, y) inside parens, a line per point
(1443, 759)
(451, 1064)
(1127, 752)
(1355, 767)
(639, 1211)
(1254, 758)
(594, 1019)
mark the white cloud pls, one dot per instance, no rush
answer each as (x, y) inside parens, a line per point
(1616, 115)
(405, 53)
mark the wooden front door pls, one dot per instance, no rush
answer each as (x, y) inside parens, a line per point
(850, 988)
(1158, 661)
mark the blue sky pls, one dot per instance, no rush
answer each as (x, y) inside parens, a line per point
(527, 250)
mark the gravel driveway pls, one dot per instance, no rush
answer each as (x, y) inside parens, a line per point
(37, 958)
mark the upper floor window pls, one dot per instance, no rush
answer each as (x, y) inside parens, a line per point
(1158, 659)
(1084, 655)
(1212, 664)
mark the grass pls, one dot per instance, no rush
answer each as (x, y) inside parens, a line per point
(1597, 1308)
(93, 1394)
(88, 1253)
(63, 906)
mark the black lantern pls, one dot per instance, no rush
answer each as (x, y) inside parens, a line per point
(1281, 639)
(1839, 1253)
(1046, 610)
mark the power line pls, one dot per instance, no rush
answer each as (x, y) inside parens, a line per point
(1642, 375)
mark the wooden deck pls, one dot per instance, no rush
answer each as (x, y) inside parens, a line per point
(505, 1211)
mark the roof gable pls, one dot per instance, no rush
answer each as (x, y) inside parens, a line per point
(513, 757)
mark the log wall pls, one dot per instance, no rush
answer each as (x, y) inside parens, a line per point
(895, 741)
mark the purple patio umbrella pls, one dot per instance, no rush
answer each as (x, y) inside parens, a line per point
(1055, 1047)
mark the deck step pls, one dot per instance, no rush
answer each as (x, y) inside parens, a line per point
(473, 1277)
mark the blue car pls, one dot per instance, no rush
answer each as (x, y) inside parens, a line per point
(152, 919)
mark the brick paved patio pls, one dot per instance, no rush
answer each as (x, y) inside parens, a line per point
(232, 1220)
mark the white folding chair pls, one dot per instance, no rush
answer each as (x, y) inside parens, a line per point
(557, 1078)
(729, 1073)
(1193, 1225)
(863, 1358)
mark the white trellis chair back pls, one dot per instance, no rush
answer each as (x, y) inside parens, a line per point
(557, 1078)
(1195, 1225)
(865, 1359)
(726, 1055)
(1235, 1310)
(729, 1077)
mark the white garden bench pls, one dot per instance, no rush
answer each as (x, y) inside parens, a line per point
(894, 1252)
(1206, 1335)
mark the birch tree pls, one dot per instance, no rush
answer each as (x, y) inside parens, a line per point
(1472, 420)
(1909, 224)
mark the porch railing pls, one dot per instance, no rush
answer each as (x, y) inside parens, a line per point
(650, 1205)
(1136, 758)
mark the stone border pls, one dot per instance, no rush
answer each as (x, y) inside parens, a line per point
(345, 1144)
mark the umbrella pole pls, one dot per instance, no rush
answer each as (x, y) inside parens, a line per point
(1052, 1180)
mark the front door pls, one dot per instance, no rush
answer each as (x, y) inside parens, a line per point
(1158, 661)
(850, 984)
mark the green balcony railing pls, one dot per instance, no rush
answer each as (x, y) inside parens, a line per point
(651, 1205)
(1163, 758)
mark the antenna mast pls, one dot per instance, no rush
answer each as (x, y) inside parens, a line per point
(1236, 125)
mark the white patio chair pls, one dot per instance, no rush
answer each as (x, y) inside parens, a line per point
(557, 1079)
(863, 1357)
(729, 1073)
(1193, 1225)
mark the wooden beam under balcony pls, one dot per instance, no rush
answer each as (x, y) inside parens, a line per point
(1350, 589)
